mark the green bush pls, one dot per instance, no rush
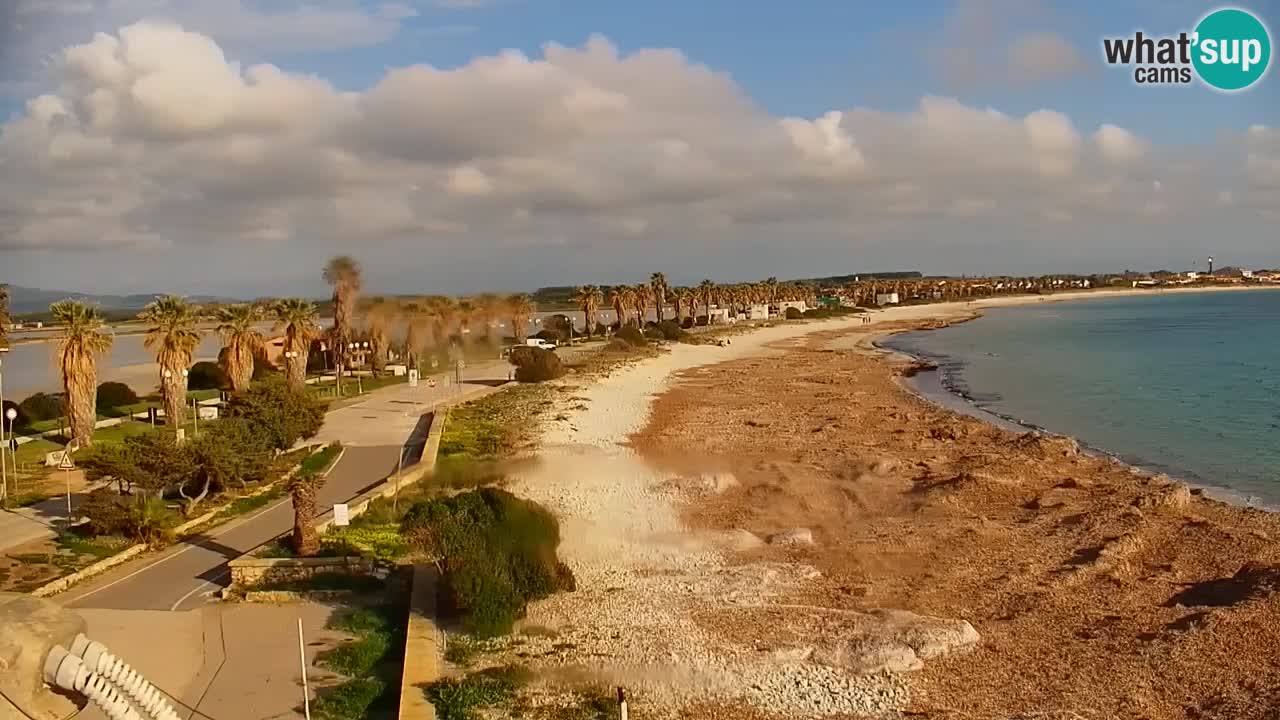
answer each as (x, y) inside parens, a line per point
(536, 364)
(139, 518)
(671, 330)
(113, 395)
(818, 313)
(793, 313)
(42, 406)
(496, 551)
(277, 413)
(631, 335)
(654, 333)
(618, 345)
(207, 376)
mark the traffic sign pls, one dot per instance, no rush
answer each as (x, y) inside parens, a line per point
(66, 463)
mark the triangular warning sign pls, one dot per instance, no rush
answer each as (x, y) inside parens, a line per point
(66, 463)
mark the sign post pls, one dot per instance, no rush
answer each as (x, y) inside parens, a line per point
(341, 515)
(66, 465)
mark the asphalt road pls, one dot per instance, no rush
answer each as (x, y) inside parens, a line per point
(182, 577)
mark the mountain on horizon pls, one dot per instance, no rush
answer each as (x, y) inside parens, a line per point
(24, 300)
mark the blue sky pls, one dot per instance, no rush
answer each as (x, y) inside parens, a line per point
(857, 130)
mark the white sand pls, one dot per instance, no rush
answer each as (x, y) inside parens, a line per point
(642, 574)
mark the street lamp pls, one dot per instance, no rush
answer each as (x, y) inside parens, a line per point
(4, 473)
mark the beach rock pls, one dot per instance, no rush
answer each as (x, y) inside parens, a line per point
(898, 641)
(792, 537)
(1171, 497)
(742, 540)
(792, 654)
(716, 483)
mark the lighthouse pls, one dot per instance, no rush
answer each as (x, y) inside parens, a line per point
(1210, 264)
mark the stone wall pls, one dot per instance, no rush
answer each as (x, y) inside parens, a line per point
(249, 571)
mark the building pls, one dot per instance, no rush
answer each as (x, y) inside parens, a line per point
(797, 304)
(759, 311)
(890, 298)
(719, 316)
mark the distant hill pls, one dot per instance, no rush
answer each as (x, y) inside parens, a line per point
(25, 300)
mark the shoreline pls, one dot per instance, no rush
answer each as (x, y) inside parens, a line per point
(915, 507)
(929, 385)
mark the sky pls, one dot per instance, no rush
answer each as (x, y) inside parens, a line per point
(452, 146)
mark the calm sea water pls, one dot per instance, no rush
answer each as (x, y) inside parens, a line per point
(1188, 384)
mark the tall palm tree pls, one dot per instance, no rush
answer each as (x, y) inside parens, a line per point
(443, 312)
(658, 286)
(618, 299)
(297, 317)
(589, 298)
(302, 491)
(466, 313)
(520, 307)
(641, 294)
(488, 308)
(83, 340)
(241, 343)
(378, 313)
(343, 273)
(706, 290)
(173, 337)
(4, 316)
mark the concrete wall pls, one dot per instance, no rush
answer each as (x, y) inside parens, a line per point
(250, 571)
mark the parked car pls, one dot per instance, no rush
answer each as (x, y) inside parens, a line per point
(540, 343)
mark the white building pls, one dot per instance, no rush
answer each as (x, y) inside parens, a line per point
(890, 298)
(719, 316)
(758, 311)
(797, 304)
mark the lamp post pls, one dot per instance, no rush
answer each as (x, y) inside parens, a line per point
(11, 414)
(4, 474)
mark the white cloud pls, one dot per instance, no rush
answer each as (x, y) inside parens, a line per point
(1119, 146)
(153, 137)
(1042, 56)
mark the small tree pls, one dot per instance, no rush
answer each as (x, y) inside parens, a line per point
(535, 364)
(228, 454)
(207, 376)
(115, 394)
(277, 413)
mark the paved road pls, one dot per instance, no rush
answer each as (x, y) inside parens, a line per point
(374, 431)
(183, 576)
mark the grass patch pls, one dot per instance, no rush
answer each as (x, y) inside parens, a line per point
(319, 462)
(461, 650)
(97, 547)
(463, 698)
(372, 660)
(243, 505)
(380, 541)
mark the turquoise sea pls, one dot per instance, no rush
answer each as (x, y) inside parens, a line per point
(1183, 383)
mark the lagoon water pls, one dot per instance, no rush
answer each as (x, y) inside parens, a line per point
(1185, 383)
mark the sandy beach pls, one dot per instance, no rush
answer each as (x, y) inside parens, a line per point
(780, 529)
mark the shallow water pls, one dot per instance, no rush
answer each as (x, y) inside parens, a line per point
(1188, 384)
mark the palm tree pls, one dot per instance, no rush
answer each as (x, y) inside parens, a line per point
(4, 316)
(465, 312)
(706, 289)
(488, 308)
(297, 317)
(173, 338)
(302, 491)
(589, 298)
(82, 342)
(640, 300)
(242, 342)
(379, 312)
(443, 312)
(658, 285)
(520, 307)
(343, 273)
(618, 299)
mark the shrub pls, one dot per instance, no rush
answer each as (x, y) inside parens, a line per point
(535, 364)
(793, 313)
(349, 700)
(462, 698)
(206, 376)
(671, 330)
(277, 413)
(42, 406)
(115, 394)
(631, 335)
(654, 333)
(560, 327)
(495, 551)
(687, 323)
(143, 519)
(618, 345)
(817, 313)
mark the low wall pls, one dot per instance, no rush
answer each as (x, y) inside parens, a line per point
(250, 571)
